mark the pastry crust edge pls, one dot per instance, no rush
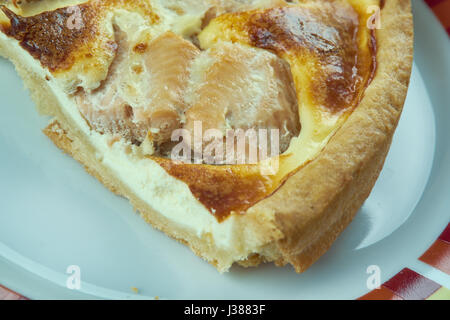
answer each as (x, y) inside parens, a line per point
(316, 204)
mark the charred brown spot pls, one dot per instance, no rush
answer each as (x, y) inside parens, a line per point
(138, 69)
(292, 28)
(128, 111)
(332, 39)
(4, 27)
(140, 48)
(209, 15)
(221, 191)
(49, 37)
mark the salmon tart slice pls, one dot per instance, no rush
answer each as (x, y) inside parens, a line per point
(250, 130)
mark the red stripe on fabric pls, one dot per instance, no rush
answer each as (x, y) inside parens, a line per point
(445, 235)
(410, 285)
(438, 256)
(432, 3)
(441, 11)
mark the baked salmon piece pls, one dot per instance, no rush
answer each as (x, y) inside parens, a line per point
(231, 87)
(154, 105)
(235, 87)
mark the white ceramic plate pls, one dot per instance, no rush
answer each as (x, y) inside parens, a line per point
(53, 214)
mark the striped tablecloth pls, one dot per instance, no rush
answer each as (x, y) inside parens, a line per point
(437, 259)
(442, 10)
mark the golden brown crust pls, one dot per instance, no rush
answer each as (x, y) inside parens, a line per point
(75, 43)
(326, 34)
(60, 38)
(53, 46)
(318, 202)
(221, 191)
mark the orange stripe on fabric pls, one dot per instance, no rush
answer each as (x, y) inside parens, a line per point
(438, 256)
(442, 11)
(6, 294)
